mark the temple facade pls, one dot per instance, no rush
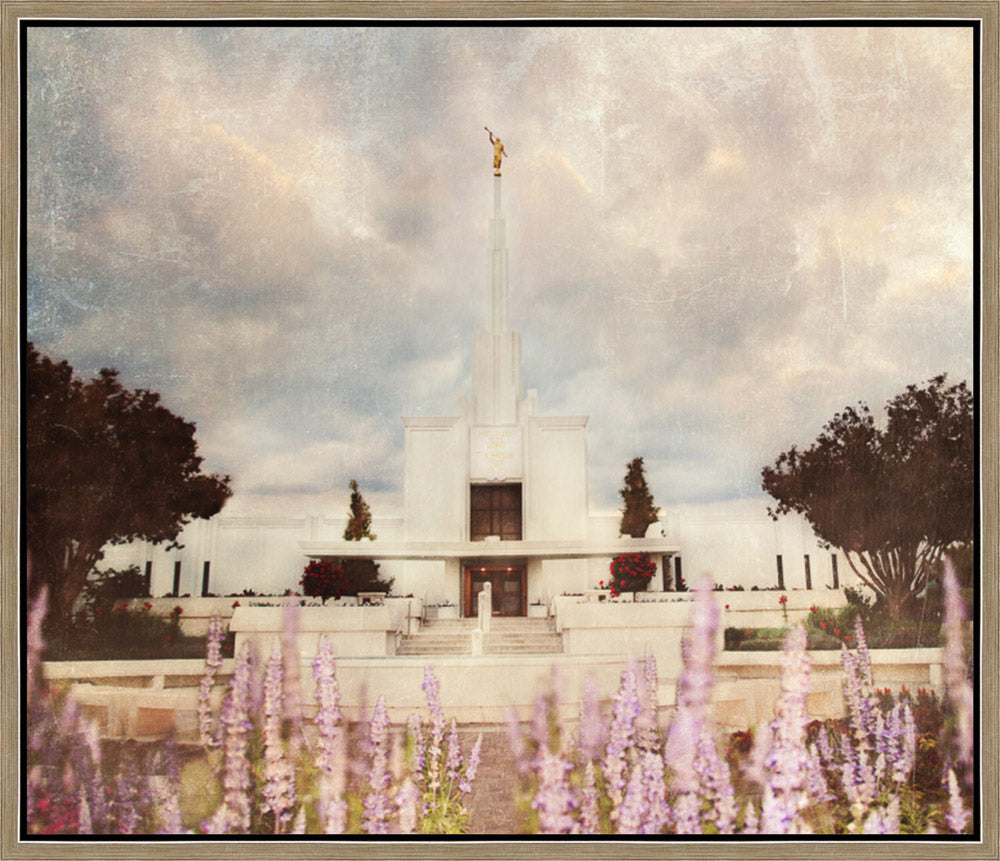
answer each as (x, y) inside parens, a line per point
(495, 493)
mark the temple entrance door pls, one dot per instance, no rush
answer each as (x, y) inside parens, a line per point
(509, 590)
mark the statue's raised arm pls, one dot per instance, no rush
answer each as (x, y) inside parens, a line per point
(498, 152)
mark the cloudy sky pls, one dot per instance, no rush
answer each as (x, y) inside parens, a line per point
(718, 236)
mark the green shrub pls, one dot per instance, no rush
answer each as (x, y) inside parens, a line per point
(124, 633)
(104, 589)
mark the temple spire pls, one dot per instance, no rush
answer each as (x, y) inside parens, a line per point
(497, 265)
(496, 364)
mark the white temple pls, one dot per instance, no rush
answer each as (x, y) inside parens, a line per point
(495, 493)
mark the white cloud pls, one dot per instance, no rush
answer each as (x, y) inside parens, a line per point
(718, 236)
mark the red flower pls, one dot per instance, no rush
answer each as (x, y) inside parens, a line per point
(236, 604)
(783, 599)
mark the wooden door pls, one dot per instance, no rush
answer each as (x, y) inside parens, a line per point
(509, 590)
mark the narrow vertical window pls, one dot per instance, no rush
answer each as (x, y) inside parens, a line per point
(177, 578)
(204, 579)
(678, 576)
(149, 577)
(781, 573)
(836, 577)
(809, 576)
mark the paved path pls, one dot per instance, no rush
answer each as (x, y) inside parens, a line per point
(491, 804)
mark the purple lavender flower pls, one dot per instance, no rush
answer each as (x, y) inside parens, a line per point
(279, 777)
(213, 660)
(454, 758)
(292, 684)
(166, 789)
(883, 820)
(516, 743)
(750, 823)
(332, 742)
(687, 813)
(632, 812)
(407, 806)
(589, 821)
(592, 732)
(694, 688)
(554, 801)
(957, 816)
(625, 709)
(376, 804)
(787, 762)
(233, 815)
(716, 784)
(432, 691)
(647, 721)
(127, 786)
(956, 679)
(471, 766)
(414, 726)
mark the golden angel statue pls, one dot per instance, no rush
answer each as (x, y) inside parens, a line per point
(498, 152)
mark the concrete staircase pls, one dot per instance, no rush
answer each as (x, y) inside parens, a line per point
(507, 636)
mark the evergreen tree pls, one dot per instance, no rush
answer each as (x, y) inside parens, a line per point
(362, 574)
(360, 522)
(638, 511)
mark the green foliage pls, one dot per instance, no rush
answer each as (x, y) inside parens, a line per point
(120, 632)
(103, 464)
(638, 511)
(362, 574)
(104, 589)
(893, 499)
(360, 521)
(832, 629)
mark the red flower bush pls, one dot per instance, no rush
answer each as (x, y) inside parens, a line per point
(631, 572)
(322, 579)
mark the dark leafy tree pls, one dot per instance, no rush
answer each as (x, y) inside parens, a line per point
(893, 499)
(103, 465)
(638, 511)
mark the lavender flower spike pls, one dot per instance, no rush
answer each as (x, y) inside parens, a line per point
(233, 815)
(376, 804)
(213, 660)
(787, 762)
(279, 778)
(553, 800)
(955, 678)
(957, 816)
(471, 766)
(694, 688)
(332, 757)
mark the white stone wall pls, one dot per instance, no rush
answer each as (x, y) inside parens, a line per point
(556, 489)
(436, 480)
(736, 543)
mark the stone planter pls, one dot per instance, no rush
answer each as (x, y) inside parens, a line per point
(447, 612)
(538, 611)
